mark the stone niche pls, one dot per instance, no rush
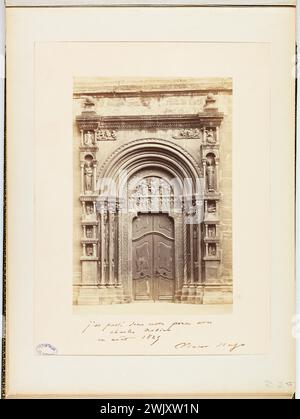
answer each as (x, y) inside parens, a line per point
(152, 192)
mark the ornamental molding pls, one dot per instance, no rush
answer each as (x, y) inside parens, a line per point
(91, 121)
(148, 141)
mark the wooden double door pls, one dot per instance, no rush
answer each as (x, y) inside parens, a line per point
(153, 258)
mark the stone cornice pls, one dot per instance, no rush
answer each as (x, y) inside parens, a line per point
(89, 120)
(137, 87)
(153, 93)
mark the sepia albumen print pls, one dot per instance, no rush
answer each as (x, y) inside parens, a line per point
(152, 191)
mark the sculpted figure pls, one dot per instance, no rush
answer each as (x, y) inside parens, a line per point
(212, 251)
(165, 189)
(210, 136)
(89, 233)
(88, 174)
(89, 210)
(142, 190)
(211, 207)
(88, 139)
(210, 171)
(154, 187)
(89, 251)
(211, 232)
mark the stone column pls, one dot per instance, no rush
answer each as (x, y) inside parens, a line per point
(191, 229)
(111, 222)
(204, 175)
(185, 288)
(178, 253)
(199, 253)
(217, 175)
(81, 137)
(82, 178)
(204, 134)
(185, 261)
(103, 247)
(95, 177)
(120, 242)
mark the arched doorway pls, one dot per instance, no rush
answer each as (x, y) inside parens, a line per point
(150, 210)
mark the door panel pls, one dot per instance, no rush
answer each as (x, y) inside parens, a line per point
(142, 267)
(164, 267)
(164, 224)
(153, 257)
(142, 225)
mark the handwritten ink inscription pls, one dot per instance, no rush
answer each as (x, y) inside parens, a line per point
(159, 334)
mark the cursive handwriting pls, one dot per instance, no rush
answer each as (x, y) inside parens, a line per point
(230, 347)
(157, 333)
(189, 345)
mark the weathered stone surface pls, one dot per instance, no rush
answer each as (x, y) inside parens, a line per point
(154, 113)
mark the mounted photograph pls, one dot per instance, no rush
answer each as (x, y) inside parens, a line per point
(150, 202)
(152, 191)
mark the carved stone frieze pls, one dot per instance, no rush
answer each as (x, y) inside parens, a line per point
(105, 135)
(126, 122)
(185, 134)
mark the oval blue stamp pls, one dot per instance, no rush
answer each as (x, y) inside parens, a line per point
(46, 349)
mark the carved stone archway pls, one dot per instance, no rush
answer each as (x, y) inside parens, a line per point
(106, 275)
(170, 163)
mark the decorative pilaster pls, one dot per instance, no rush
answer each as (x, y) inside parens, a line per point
(111, 290)
(111, 278)
(210, 150)
(103, 258)
(89, 221)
